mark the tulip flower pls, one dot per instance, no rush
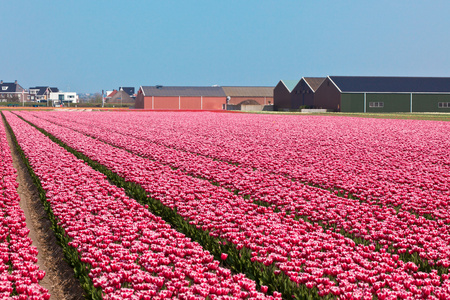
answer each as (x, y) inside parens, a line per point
(218, 178)
(128, 251)
(18, 258)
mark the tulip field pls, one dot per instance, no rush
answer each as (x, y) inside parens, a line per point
(19, 273)
(201, 205)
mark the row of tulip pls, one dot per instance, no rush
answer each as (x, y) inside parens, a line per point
(402, 163)
(19, 273)
(127, 251)
(425, 242)
(304, 252)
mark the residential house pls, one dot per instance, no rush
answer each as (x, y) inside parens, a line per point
(12, 92)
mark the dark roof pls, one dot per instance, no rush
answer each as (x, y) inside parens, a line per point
(392, 84)
(8, 87)
(128, 90)
(248, 91)
(314, 82)
(42, 89)
(185, 91)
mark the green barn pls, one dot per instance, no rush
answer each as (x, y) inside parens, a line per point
(384, 94)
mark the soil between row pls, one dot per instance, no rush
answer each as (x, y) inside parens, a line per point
(59, 276)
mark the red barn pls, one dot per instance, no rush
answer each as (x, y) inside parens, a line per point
(181, 98)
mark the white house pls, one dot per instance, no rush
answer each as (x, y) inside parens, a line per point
(63, 97)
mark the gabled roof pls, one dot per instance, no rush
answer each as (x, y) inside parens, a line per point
(8, 87)
(392, 84)
(43, 89)
(248, 91)
(120, 97)
(112, 94)
(128, 90)
(314, 82)
(184, 91)
(290, 84)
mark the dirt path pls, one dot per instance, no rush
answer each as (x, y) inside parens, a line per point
(59, 278)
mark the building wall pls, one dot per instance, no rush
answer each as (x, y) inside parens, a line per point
(429, 102)
(392, 102)
(327, 96)
(352, 102)
(281, 97)
(214, 103)
(302, 95)
(165, 103)
(67, 96)
(260, 100)
(140, 99)
(183, 103)
(188, 103)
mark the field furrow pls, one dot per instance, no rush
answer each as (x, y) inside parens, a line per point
(19, 272)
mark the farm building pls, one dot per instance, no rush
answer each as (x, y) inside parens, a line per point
(249, 95)
(181, 98)
(384, 94)
(303, 93)
(282, 95)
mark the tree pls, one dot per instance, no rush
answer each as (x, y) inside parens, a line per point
(96, 98)
(14, 98)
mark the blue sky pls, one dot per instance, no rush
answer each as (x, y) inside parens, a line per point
(87, 46)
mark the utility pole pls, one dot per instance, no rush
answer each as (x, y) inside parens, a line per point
(121, 96)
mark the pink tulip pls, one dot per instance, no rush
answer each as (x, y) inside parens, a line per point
(119, 238)
(272, 170)
(16, 248)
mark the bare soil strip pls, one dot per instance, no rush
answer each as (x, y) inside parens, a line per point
(59, 279)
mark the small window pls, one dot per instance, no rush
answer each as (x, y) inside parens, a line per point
(376, 104)
(444, 104)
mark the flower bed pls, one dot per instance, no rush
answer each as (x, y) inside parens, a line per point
(306, 253)
(127, 251)
(19, 272)
(424, 242)
(403, 163)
